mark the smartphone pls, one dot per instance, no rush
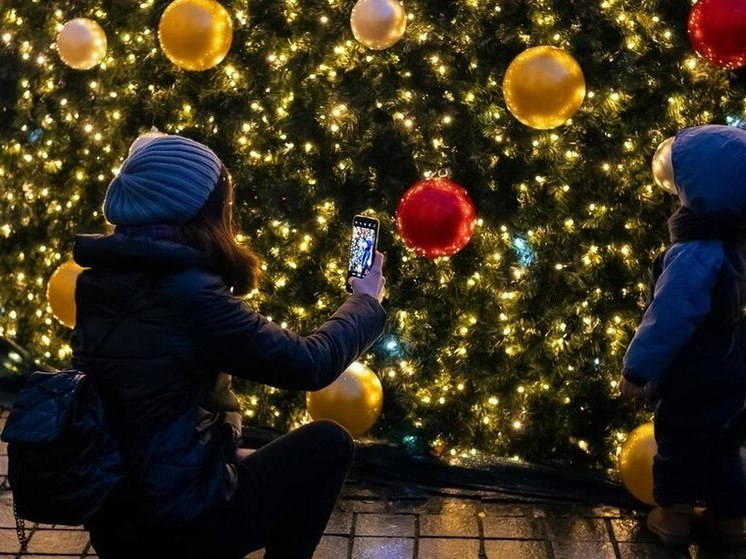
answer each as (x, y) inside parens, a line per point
(363, 247)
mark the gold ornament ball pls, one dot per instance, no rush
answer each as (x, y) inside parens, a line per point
(663, 166)
(544, 87)
(61, 292)
(81, 43)
(636, 463)
(378, 24)
(354, 400)
(144, 139)
(195, 34)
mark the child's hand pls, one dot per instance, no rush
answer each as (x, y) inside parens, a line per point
(630, 390)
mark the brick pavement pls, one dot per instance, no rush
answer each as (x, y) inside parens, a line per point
(370, 523)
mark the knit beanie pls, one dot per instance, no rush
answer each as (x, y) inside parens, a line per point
(166, 181)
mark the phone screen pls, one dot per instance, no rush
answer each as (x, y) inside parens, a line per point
(363, 246)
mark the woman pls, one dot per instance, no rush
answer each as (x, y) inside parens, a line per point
(160, 302)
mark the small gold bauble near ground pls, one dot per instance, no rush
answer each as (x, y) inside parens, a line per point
(61, 292)
(354, 400)
(636, 463)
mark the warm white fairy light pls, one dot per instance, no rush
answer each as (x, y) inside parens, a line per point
(263, 140)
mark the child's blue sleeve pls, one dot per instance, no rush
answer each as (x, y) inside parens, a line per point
(681, 300)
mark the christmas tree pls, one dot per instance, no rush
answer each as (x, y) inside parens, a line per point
(513, 346)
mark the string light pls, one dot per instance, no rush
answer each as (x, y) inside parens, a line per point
(484, 350)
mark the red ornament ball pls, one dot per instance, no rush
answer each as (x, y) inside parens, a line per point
(717, 30)
(436, 217)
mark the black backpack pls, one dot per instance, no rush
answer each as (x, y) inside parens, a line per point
(63, 461)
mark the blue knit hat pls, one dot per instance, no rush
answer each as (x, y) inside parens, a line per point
(166, 181)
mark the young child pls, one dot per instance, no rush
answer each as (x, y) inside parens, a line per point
(692, 342)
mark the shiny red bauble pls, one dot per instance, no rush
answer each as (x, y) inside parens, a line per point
(436, 217)
(717, 30)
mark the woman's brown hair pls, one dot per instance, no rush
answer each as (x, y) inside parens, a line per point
(211, 231)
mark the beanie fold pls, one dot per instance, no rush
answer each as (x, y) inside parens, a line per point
(167, 181)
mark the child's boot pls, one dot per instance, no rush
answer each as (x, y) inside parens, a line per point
(671, 524)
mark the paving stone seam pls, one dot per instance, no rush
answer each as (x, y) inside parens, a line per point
(480, 530)
(612, 539)
(416, 546)
(456, 538)
(405, 537)
(545, 532)
(337, 534)
(493, 538)
(351, 541)
(87, 549)
(30, 531)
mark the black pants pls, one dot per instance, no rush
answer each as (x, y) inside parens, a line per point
(286, 493)
(699, 459)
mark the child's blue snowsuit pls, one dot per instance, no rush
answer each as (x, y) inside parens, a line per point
(688, 341)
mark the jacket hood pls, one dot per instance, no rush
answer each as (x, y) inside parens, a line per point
(709, 164)
(122, 252)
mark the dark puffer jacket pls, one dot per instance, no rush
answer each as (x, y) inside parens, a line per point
(182, 328)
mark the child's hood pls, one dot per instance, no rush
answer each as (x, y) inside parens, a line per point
(709, 164)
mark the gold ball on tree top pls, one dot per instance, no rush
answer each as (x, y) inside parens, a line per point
(81, 43)
(378, 24)
(195, 34)
(544, 87)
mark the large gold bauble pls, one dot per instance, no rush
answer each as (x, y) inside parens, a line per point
(378, 24)
(354, 400)
(544, 87)
(81, 43)
(636, 463)
(663, 166)
(61, 292)
(195, 34)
